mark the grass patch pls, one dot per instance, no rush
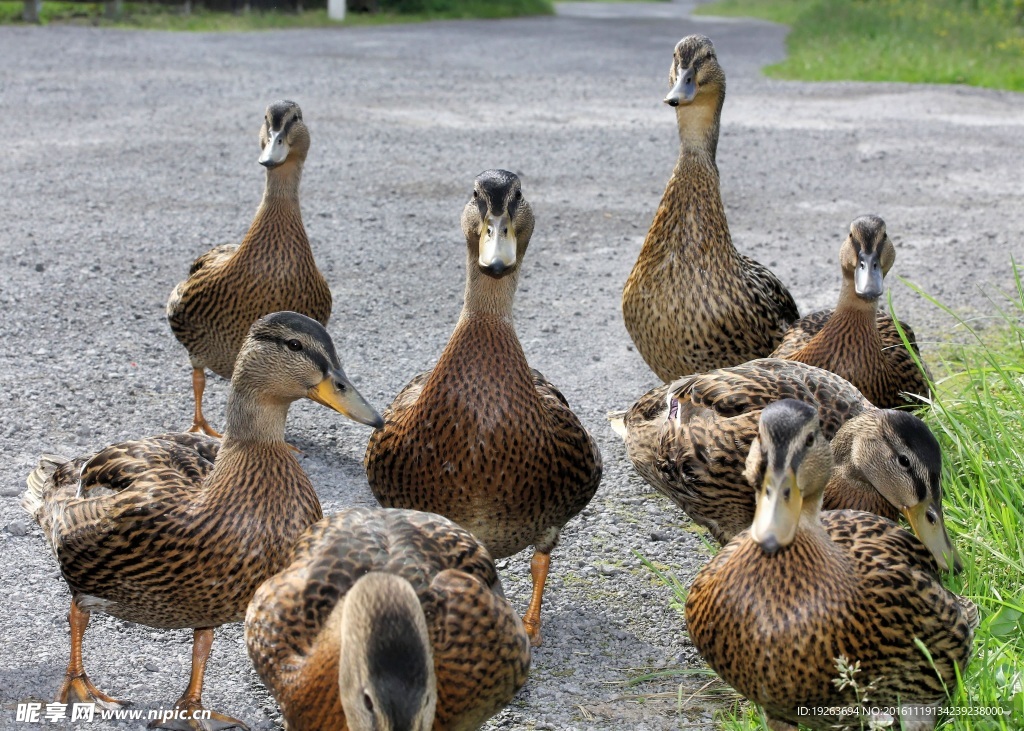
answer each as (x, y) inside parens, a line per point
(163, 17)
(978, 417)
(976, 42)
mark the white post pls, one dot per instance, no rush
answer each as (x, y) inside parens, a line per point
(32, 9)
(336, 9)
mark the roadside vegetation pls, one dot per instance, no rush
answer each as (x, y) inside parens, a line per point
(163, 16)
(978, 416)
(976, 42)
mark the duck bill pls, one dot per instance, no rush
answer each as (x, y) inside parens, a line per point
(276, 150)
(337, 392)
(497, 246)
(778, 511)
(684, 91)
(867, 279)
(934, 535)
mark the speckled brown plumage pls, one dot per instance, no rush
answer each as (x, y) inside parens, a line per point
(690, 441)
(481, 652)
(482, 439)
(856, 340)
(773, 619)
(230, 287)
(692, 302)
(179, 530)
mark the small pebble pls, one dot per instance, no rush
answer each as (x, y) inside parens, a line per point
(17, 528)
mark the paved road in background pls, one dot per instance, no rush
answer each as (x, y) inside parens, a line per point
(126, 154)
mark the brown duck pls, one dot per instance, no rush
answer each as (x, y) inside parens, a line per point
(231, 286)
(690, 441)
(482, 439)
(179, 530)
(692, 302)
(785, 603)
(387, 619)
(857, 340)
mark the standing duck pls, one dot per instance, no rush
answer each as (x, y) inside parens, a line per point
(783, 604)
(483, 439)
(387, 619)
(856, 340)
(231, 286)
(172, 531)
(692, 302)
(690, 441)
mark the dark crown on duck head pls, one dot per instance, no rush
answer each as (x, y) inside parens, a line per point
(279, 110)
(494, 188)
(695, 48)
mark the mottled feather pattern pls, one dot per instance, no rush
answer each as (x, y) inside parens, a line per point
(486, 441)
(868, 353)
(690, 440)
(229, 288)
(857, 586)
(149, 531)
(481, 652)
(691, 302)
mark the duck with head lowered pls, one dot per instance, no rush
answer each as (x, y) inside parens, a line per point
(483, 439)
(179, 530)
(231, 286)
(803, 597)
(692, 302)
(387, 619)
(857, 340)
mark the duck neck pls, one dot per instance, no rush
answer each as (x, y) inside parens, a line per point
(852, 306)
(253, 419)
(699, 126)
(278, 220)
(486, 296)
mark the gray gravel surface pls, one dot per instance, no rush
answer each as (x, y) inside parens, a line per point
(126, 154)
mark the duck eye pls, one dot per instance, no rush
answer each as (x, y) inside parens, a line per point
(368, 702)
(294, 345)
(476, 193)
(810, 439)
(519, 195)
(904, 461)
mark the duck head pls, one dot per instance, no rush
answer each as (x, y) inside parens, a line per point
(789, 464)
(284, 137)
(498, 223)
(866, 257)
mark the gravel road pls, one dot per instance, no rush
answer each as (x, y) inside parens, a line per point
(127, 154)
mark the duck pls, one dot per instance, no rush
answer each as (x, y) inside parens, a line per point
(690, 441)
(857, 340)
(482, 438)
(692, 303)
(387, 619)
(231, 286)
(804, 599)
(179, 530)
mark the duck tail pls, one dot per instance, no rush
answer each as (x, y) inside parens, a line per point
(41, 483)
(617, 419)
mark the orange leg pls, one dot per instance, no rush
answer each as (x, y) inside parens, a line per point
(190, 704)
(199, 423)
(531, 620)
(75, 680)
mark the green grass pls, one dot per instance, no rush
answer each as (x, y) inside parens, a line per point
(978, 416)
(976, 42)
(158, 17)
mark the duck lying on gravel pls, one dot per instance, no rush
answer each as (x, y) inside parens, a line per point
(690, 441)
(231, 286)
(856, 340)
(805, 597)
(482, 438)
(692, 302)
(387, 619)
(179, 530)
